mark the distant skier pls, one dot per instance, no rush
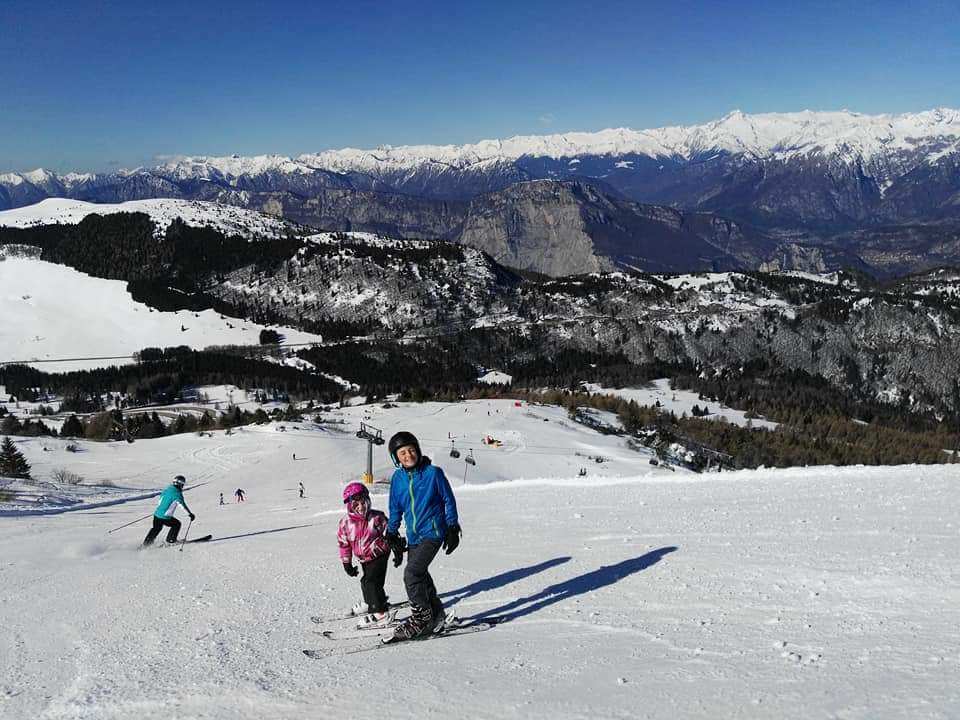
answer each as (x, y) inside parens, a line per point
(294, 456)
(301, 489)
(239, 494)
(171, 497)
(421, 496)
(361, 534)
(221, 499)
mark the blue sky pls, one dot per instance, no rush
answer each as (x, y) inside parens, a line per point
(96, 85)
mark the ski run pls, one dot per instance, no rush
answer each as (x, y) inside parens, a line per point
(631, 591)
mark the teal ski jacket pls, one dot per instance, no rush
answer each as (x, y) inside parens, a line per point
(169, 500)
(422, 497)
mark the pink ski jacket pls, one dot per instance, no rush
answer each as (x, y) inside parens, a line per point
(362, 536)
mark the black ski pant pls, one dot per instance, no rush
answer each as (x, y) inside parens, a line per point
(421, 591)
(158, 524)
(374, 576)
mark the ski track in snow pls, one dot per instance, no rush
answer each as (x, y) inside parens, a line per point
(638, 592)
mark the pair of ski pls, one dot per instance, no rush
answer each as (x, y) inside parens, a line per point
(178, 543)
(384, 634)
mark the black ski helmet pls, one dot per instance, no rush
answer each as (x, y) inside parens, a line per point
(180, 481)
(399, 440)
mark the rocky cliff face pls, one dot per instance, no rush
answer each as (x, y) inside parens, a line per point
(390, 214)
(549, 227)
(536, 226)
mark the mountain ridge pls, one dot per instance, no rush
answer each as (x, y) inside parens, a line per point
(759, 133)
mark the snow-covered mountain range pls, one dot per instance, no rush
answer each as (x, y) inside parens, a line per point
(815, 190)
(771, 135)
(850, 136)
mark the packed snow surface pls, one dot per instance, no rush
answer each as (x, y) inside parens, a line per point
(630, 592)
(228, 219)
(53, 311)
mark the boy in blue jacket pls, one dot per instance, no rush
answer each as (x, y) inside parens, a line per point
(163, 516)
(421, 496)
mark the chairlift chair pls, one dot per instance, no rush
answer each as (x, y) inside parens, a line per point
(469, 458)
(454, 453)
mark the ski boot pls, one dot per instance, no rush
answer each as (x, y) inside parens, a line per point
(377, 620)
(418, 625)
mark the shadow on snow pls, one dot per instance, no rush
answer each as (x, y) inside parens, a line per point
(259, 532)
(588, 582)
(497, 581)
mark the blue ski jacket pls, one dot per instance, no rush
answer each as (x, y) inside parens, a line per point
(422, 497)
(169, 500)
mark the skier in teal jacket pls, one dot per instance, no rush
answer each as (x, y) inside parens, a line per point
(170, 499)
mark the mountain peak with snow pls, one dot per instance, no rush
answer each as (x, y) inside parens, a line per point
(764, 134)
(775, 135)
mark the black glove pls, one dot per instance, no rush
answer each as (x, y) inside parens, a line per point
(398, 550)
(452, 539)
(350, 569)
(395, 541)
(192, 517)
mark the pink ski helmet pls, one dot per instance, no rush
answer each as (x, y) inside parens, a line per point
(353, 489)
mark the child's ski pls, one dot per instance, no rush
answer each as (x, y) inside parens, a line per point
(320, 620)
(450, 630)
(378, 630)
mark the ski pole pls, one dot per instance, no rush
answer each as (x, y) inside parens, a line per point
(185, 535)
(128, 524)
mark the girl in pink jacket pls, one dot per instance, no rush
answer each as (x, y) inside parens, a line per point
(362, 533)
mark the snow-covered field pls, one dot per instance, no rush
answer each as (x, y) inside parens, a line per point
(631, 592)
(47, 310)
(228, 219)
(680, 402)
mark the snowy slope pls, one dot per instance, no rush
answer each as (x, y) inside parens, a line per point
(46, 311)
(228, 219)
(811, 592)
(679, 402)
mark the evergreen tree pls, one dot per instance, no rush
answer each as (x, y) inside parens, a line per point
(72, 427)
(12, 461)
